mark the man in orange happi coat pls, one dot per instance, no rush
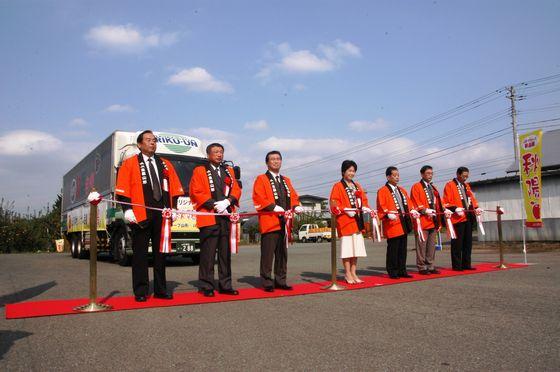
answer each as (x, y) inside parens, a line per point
(458, 197)
(149, 180)
(214, 189)
(395, 209)
(426, 198)
(273, 192)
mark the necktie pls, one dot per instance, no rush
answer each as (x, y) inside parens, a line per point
(156, 189)
(431, 192)
(278, 179)
(399, 199)
(217, 169)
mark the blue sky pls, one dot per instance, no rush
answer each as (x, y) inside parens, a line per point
(309, 78)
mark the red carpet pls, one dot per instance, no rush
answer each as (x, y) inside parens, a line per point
(64, 307)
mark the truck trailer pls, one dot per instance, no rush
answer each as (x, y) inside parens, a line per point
(99, 170)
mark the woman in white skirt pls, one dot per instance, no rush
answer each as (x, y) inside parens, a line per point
(349, 203)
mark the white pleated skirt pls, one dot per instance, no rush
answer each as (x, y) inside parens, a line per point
(352, 246)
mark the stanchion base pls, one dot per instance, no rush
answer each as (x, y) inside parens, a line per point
(334, 286)
(502, 266)
(92, 308)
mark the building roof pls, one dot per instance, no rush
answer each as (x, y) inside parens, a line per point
(311, 198)
(546, 173)
(550, 152)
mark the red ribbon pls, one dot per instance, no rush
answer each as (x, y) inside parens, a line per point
(450, 230)
(165, 239)
(288, 215)
(376, 231)
(234, 220)
(419, 230)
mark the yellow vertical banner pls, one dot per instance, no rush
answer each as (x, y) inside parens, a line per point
(530, 163)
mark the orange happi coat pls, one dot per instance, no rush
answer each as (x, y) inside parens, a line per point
(345, 224)
(420, 201)
(263, 199)
(129, 184)
(385, 205)
(201, 196)
(452, 200)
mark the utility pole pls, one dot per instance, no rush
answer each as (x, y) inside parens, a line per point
(512, 98)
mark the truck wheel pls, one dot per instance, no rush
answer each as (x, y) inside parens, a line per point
(319, 239)
(121, 245)
(74, 246)
(81, 252)
(304, 240)
(195, 259)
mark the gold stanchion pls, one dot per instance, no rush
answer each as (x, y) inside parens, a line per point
(92, 306)
(334, 286)
(502, 265)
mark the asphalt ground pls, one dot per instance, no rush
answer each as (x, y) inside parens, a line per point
(499, 321)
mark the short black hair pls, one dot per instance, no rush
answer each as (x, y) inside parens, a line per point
(140, 137)
(273, 152)
(215, 144)
(347, 164)
(460, 170)
(425, 168)
(390, 170)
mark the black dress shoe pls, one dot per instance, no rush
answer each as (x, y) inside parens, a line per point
(434, 271)
(140, 298)
(164, 296)
(269, 289)
(207, 292)
(457, 269)
(284, 287)
(469, 268)
(405, 275)
(424, 272)
(231, 292)
(394, 276)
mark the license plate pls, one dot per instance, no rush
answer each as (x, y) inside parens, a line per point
(186, 247)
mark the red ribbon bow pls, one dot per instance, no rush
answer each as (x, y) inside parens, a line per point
(234, 220)
(165, 238)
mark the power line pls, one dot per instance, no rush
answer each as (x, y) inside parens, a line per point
(496, 134)
(410, 129)
(466, 127)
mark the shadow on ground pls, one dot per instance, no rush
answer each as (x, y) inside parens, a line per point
(8, 339)
(26, 294)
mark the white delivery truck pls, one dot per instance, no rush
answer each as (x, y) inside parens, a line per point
(99, 169)
(310, 232)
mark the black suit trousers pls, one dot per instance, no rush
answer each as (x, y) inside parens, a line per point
(141, 236)
(273, 248)
(214, 239)
(461, 247)
(396, 255)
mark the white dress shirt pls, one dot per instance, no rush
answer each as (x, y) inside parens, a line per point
(146, 158)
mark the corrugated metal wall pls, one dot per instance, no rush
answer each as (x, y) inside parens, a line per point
(507, 195)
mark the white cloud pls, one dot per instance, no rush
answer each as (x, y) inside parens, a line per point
(303, 145)
(299, 87)
(127, 38)
(327, 58)
(199, 80)
(211, 133)
(304, 61)
(78, 123)
(119, 108)
(256, 125)
(339, 49)
(365, 125)
(28, 142)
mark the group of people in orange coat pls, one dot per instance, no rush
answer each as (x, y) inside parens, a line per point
(399, 213)
(149, 180)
